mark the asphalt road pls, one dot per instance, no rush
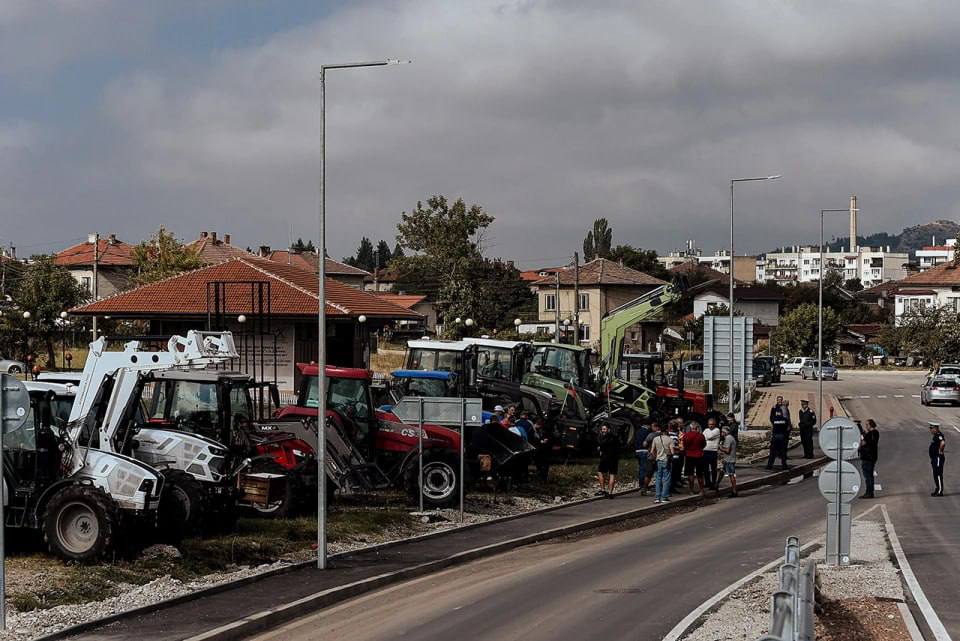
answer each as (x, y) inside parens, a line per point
(637, 584)
(928, 528)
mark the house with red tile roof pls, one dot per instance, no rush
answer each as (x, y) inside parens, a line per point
(269, 306)
(603, 285)
(417, 303)
(210, 249)
(937, 286)
(347, 274)
(115, 265)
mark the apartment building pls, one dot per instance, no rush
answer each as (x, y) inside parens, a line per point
(934, 254)
(872, 265)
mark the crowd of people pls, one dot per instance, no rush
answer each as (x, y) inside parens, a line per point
(672, 455)
(531, 429)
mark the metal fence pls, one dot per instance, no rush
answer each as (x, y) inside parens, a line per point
(791, 611)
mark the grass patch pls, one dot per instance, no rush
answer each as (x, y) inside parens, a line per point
(387, 360)
(79, 584)
(349, 524)
(570, 478)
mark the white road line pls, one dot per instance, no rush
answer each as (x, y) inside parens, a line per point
(683, 627)
(864, 396)
(898, 395)
(955, 427)
(914, 396)
(881, 395)
(933, 621)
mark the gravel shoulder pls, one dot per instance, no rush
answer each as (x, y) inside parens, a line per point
(858, 602)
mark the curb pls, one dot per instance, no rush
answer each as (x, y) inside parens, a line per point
(273, 617)
(236, 583)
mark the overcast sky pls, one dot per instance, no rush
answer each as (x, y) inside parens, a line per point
(119, 116)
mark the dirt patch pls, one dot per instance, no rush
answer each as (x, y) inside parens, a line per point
(861, 620)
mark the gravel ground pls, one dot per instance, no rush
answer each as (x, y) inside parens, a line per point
(27, 572)
(850, 592)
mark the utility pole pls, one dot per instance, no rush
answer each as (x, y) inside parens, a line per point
(557, 305)
(376, 269)
(576, 298)
(96, 279)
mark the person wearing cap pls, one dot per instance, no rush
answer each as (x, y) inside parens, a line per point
(733, 425)
(938, 446)
(498, 412)
(806, 419)
(728, 447)
(523, 424)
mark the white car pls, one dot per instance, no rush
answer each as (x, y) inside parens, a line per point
(794, 365)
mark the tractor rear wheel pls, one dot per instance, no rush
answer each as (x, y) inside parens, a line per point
(79, 523)
(441, 482)
(181, 506)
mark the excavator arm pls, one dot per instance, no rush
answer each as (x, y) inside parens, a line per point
(614, 325)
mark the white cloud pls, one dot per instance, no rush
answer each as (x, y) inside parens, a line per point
(551, 114)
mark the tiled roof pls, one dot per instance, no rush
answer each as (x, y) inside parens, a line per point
(943, 275)
(601, 271)
(293, 293)
(116, 253)
(407, 301)
(211, 250)
(533, 275)
(308, 261)
(746, 292)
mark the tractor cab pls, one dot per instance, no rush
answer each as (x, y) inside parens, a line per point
(499, 360)
(429, 384)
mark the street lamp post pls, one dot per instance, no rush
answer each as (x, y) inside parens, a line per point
(730, 379)
(63, 340)
(820, 316)
(321, 315)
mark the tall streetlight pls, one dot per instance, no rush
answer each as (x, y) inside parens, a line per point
(322, 316)
(732, 183)
(820, 315)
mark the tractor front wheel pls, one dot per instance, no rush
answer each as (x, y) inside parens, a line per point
(440, 484)
(181, 506)
(79, 523)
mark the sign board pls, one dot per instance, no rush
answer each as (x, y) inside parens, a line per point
(439, 411)
(837, 431)
(716, 348)
(14, 403)
(838, 533)
(849, 485)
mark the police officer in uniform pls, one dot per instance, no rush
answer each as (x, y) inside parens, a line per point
(806, 419)
(779, 437)
(937, 447)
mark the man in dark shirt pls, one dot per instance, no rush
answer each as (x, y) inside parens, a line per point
(779, 436)
(609, 445)
(869, 440)
(641, 451)
(938, 446)
(806, 420)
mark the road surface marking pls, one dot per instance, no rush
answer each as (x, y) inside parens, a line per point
(914, 396)
(683, 627)
(955, 427)
(864, 396)
(881, 395)
(933, 621)
(898, 395)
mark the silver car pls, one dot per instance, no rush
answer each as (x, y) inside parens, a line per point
(10, 366)
(948, 370)
(940, 390)
(810, 370)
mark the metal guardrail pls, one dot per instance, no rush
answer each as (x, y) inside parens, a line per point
(791, 611)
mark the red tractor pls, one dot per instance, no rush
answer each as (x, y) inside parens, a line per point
(369, 448)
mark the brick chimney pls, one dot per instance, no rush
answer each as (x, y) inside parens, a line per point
(203, 234)
(213, 237)
(112, 239)
(226, 239)
(264, 251)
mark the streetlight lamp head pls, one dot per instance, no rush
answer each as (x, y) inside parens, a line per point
(26, 315)
(361, 318)
(458, 320)
(241, 318)
(517, 322)
(469, 322)
(63, 314)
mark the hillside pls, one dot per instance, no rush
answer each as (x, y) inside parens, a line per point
(909, 240)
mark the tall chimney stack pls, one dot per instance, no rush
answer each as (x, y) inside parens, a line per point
(853, 224)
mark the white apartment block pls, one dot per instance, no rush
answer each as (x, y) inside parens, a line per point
(933, 255)
(872, 265)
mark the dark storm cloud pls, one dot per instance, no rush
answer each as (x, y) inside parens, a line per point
(548, 113)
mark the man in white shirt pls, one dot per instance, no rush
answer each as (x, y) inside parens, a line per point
(710, 454)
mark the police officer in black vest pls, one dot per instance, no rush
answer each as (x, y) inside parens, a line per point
(938, 446)
(779, 436)
(806, 419)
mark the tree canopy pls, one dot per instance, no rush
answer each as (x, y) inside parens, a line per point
(932, 332)
(300, 246)
(162, 256)
(599, 240)
(796, 335)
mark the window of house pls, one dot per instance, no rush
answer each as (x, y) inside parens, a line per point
(550, 302)
(584, 333)
(87, 283)
(584, 301)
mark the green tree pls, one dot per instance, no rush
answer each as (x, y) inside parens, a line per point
(383, 255)
(796, 335)
(932, 332)
(45, 291)
(599, 240)
(397, 252)
(163, 256)
(364, 256)
(853, 285)
(302, 247)
(643, 260)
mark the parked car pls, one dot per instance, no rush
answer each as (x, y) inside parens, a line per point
(763, 372)
(774, 367)
(948, 370)
(810, 370)
(794, 365)
(10, 366)
(940, 390)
